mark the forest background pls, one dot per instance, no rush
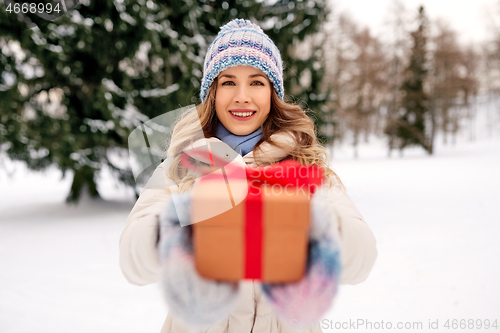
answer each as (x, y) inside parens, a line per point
(73, 88)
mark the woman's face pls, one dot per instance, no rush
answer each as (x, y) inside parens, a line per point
(242, 99)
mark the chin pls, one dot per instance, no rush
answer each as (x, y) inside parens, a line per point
(237, 130)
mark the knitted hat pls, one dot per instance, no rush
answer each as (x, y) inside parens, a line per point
(240, 42)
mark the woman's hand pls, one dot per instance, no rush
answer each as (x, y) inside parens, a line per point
(197, 301)
(308, 299)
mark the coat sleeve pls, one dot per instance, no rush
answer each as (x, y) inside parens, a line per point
(138, 242)
(357, 242)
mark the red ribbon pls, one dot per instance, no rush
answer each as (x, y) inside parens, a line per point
(253, 233)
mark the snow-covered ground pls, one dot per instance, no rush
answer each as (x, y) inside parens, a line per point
(436, 220)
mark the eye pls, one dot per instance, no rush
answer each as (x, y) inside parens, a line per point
(258, 83)
(224, 83)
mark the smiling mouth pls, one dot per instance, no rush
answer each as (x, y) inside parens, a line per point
(243, 114)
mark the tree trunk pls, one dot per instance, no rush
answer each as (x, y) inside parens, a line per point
(433, 130)
(355, 143)
(83, 185)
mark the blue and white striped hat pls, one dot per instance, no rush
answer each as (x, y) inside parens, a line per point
(240, 42)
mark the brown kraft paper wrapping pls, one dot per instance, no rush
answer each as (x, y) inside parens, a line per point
(219, 241)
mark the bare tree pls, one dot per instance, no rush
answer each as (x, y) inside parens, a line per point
(339, 48)
(491, 81)
(452, 80)
(367, 86)
(491, 67)
(471, 63)
(357, 75)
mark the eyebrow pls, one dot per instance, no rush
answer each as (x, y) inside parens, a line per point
(250, 76)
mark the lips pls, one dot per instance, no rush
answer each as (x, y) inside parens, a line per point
(242, 114)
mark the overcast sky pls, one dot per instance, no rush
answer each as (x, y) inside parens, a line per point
(470, 18)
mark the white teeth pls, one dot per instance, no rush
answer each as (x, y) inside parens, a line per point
(242, 114)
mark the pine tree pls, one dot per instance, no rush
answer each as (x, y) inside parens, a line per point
(399, 46)
(78, 85)
(409, 128)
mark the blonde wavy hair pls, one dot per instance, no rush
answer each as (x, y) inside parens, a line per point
(283, 117)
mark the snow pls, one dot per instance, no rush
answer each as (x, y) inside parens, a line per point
(435, 219)
(59, 264)
(436, 224)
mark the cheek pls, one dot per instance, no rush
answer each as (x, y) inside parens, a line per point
(262, 97)
(219, 103)
(267, 104)
(266, 115)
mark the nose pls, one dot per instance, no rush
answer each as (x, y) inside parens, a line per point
(242, 96)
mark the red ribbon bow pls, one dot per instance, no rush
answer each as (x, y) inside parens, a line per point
(287, 172)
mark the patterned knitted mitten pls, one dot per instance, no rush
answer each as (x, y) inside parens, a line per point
(308, 299)
(198, 302)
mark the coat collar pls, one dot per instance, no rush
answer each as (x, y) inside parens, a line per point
(269, 153)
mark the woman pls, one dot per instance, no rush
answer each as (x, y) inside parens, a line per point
(243, 105)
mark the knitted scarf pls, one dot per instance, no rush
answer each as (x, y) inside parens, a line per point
(242, 144)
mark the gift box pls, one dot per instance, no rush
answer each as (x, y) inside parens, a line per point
(264, 234)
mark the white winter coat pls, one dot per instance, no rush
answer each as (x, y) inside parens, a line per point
(140, 265)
